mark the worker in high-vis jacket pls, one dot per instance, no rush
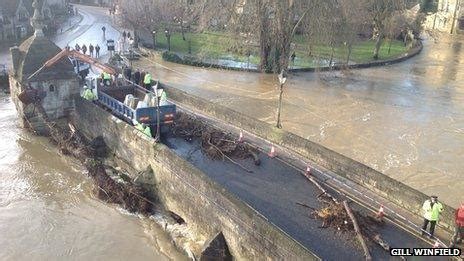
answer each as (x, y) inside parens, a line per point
(163, 98)
(432, 210)
(88, 94)
(147, 81)
(106, 78)
(144, 128)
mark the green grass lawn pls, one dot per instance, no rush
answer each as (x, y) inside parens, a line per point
(219, 46)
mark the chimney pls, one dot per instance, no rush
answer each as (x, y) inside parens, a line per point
(15, 57)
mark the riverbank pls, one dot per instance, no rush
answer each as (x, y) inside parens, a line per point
(215, 49)
(243, 66)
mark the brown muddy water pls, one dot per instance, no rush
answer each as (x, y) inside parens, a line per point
(48, 212)
(405, 120)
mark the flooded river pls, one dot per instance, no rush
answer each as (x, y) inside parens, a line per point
(48, 212)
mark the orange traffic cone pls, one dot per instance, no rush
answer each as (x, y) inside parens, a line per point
(436, 245)
(240, 138)
(272, 153)
(308, 171)
(380, 214)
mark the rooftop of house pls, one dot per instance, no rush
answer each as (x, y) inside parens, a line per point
(34, 52)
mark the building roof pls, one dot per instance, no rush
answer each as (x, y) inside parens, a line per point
(35, 51)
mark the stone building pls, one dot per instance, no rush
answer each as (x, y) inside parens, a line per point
(448, 18)
(15, 16)
(58, 83)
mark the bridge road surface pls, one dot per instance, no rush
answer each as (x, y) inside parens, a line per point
(273, 189)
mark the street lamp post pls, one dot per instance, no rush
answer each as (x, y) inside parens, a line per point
(282, 80)
(168, 37)
(154, 39)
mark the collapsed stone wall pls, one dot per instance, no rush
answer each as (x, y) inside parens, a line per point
(183, 189)
(396, 191)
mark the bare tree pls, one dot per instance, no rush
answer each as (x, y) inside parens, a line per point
(354, 23)
(380, 12)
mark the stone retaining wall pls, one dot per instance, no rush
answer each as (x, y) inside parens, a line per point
(206, 206)
(397, 192)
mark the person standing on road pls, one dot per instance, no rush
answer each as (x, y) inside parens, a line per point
(137, 76)
(91, 50)
(147, 81)
(106, 78)
(142, 77)
(84, 48)
(459, 226)
(128, 73)
(77, 47)
(432, 209)
(88, 94)
(97, 51)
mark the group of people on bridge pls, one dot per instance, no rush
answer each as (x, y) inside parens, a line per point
(91, 49)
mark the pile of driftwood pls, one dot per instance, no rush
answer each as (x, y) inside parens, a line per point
(215, 143)
(130, 196)
(340, 216)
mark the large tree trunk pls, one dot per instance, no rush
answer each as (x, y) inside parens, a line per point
(265, 62)
(378, 44)
(264, 43)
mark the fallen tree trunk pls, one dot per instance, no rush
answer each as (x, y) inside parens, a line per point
(322, 189)
(357, 230)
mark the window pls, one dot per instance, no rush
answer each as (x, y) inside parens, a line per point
(51, 88)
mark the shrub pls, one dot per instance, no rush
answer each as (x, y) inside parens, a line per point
(172, 57)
